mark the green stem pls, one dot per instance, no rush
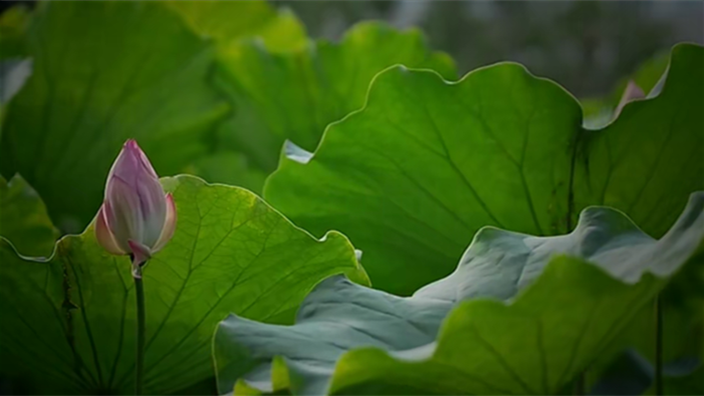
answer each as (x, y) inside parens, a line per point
(659, 390)
(579, 384)
(141, 318)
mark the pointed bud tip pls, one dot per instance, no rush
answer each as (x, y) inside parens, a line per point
(132, 149)
(132, 145)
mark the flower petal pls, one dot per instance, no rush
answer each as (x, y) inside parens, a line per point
(124, 212)
(153, 207)
(105, 237)
(137, 152)
(167, 232)
(132, 164)
(140, 253)
(126, 165)
(135, 207)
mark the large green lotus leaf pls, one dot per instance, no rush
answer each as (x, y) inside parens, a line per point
(600, 111)
(228, 21)
(295, 95)
(103, 72)
(650, 157)
(626, 173)
(24, 220)
(68, 322)
(426, 163)
(642, 173)
(529, 314)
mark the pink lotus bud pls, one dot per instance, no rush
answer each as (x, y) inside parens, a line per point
(631, 93)
(136, 217)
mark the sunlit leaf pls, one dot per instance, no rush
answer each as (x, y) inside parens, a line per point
(427, 163)
(74, 332)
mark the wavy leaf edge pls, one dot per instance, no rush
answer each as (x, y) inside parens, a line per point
(558, 264)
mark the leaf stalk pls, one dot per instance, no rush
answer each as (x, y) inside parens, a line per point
(580, 384)
(659, 389)
(141, 319)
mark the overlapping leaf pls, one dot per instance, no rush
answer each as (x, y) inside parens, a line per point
(296, 94)
(649, 159)
(74, 329)
(598, 112)
(427, 163)
(650, 168)
(104, 72)
(565, 298)
(229, 21)
(24, 220)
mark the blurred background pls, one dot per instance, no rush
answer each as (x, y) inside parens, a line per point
(584, 45)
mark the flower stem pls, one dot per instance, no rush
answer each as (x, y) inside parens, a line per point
(141, 316)
(659, 390)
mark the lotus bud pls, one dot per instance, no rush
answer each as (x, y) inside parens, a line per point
(631, 93)
(137, 218)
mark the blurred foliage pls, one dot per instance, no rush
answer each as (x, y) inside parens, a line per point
(584, 45)
(228, 21)
(24, 220)
(13, 24)
(295, 95)
(101, 75)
